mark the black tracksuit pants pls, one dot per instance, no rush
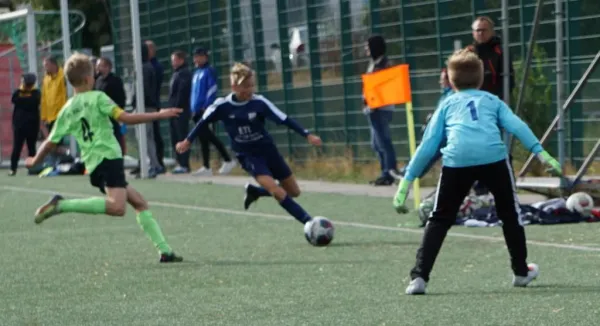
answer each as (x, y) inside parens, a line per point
(207, 137)
(159, 143)
(453, 186)
(23, 135)
(179, 130)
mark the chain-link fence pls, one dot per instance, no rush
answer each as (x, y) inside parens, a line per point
(309, 56)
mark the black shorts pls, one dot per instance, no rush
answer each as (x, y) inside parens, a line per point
(109, 174)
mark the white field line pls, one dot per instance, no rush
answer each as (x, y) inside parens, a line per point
(337, 222)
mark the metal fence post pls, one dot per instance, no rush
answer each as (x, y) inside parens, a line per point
(286, 70)
(236, 30)
(438, 28)
(347, 71)
(214, 50)
(375, 16)
(577, 126)
(315, 62)
(259, 46)
(116, 35)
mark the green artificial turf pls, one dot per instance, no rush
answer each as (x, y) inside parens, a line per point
(256, 268)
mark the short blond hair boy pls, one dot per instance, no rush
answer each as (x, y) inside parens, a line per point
(79, 69)
(465, 70)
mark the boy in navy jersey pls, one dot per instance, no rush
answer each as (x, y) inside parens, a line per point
(470, 122)
(243, 114)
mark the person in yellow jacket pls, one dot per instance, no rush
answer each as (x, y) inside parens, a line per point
(54, 92)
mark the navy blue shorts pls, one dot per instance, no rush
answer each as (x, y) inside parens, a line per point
(270, 163)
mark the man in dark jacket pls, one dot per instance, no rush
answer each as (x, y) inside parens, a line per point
(179, 97)
(488, 47)
(112, 86)
(159, 72)
(25, 119)
(380, 118)
(151, 105)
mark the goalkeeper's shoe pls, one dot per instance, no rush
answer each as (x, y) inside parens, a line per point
(523, 281)
(416, 286)
(49, 209)
(170, 257)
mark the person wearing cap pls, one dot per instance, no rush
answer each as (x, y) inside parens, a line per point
(25, 119)
(204, 93)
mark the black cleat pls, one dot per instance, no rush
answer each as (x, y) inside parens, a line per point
(383, 181)
(170, 258)
(250, 197)
(49, 209)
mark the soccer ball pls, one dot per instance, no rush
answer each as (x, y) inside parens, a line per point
(581, 203)
(425, 208)
(319, 231)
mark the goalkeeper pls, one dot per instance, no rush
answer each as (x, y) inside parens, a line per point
(470, 122)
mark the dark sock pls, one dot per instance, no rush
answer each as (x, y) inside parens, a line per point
(258, 191)
(295, 210)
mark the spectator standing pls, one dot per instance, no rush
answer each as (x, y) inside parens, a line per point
(204, 92)
(54, 92)
(112, 86)
(180, 89)
(380, 118)
(151, 105)
(488, 47)
(160, 73)
(25, 119)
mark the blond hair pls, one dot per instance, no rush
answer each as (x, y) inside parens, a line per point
(78, 68)
(465, 70)
(239, 73)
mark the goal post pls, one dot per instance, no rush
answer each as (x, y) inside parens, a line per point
(26, 36)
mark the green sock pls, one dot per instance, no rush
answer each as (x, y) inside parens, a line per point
(151, 228)
(93, 205)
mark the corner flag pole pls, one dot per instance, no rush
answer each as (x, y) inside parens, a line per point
(412, 146)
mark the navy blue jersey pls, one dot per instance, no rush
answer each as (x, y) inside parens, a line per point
(245, 122)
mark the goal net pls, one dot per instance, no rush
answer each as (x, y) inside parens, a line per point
(26, 37)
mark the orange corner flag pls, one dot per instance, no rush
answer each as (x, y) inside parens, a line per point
(387, 87)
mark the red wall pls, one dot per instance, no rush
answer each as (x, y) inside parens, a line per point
(6, 63)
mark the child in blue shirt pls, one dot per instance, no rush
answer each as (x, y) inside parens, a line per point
(469, 123)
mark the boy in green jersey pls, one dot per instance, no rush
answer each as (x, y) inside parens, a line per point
(86, 116)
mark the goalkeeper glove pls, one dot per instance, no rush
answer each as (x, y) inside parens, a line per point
(400, 197)
(550, 161)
